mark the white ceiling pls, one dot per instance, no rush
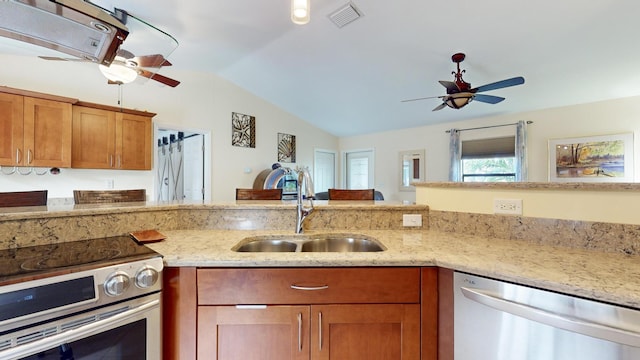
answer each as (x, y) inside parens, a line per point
(350, 81)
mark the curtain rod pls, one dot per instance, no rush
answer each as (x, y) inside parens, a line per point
(487, 127)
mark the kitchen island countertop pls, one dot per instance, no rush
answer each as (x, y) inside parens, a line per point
(608, 277)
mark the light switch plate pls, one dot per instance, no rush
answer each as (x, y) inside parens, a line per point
(411, 220)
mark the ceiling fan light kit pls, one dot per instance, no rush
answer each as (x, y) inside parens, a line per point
(457, 101)
(300, 11)
(119, 74)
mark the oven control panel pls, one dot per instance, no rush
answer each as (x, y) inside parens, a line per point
(132, 279)
(27, 302)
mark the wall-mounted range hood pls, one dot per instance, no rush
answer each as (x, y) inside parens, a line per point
(73, 27)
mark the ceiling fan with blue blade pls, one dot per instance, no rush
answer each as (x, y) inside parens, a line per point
(460, 92)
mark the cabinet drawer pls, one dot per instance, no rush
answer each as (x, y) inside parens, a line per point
(308, 286)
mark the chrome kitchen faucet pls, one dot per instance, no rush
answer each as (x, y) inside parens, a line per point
(304, 179)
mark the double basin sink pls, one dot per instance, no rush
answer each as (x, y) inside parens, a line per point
(309, 243)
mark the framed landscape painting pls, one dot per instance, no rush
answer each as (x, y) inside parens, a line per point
(606, 158)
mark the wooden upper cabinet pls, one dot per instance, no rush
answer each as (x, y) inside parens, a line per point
(35, 131)
(133, 142)
(94, 134)
(11, 124)
(108, 139)
(47, 133)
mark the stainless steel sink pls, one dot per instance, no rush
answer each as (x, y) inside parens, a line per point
(341, 244)
(268, 245)
(312, 243)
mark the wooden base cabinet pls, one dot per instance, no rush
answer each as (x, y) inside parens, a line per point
(365, 332)
(269, 333)
(320, 332)
(304, 313)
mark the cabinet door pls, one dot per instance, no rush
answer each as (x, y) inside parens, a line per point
(93, 138)
(365, 332)
(271, 333)
(133, 142)
(11, 115)
(47, 133)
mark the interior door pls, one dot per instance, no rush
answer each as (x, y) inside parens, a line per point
(359, 169)
(194, 167)
(324, 172)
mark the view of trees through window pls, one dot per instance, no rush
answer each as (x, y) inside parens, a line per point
(499, 169)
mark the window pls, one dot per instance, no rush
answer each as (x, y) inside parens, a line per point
(489, 160)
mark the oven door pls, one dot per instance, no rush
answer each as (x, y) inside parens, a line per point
(127, 330)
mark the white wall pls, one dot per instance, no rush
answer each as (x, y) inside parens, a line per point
(202, 101)
(607, 117)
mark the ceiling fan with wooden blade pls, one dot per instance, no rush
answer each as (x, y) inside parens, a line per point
(141, 56)
(126, 67)
(460, 92)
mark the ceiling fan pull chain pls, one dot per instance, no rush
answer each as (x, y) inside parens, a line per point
(120, 96)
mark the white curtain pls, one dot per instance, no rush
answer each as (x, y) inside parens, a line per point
(455, 156)
(521, 151)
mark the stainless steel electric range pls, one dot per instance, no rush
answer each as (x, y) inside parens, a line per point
(89, 299)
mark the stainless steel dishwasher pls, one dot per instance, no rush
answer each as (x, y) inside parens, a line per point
(495, 320)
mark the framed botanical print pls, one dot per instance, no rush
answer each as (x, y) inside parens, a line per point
(286, 148)
(243, 130)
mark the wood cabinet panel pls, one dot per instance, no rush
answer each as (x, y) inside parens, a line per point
(429, 318)
(11, 124)
(365, 332)
(47, 132)
(35, 132)
(334, 286)
(179, 313)
(270, 333)
(133, 142)
(107, 139)
(94, 132)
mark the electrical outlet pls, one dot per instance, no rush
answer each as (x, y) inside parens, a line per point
(507, 206)
(108, 183)
(411, 220)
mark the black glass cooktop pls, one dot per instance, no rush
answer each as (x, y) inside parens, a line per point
(42, 260)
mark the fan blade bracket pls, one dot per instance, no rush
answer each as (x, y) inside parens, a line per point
(452, 87)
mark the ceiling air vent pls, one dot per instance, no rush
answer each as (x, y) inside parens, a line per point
(345, 15)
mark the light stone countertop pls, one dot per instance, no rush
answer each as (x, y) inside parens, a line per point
(608, 277)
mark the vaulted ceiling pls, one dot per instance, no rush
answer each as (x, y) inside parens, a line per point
(351, 80)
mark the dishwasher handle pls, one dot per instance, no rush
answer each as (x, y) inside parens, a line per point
(566, 322)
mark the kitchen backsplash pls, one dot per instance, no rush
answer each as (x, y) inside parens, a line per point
(88, 222)
(600, 236)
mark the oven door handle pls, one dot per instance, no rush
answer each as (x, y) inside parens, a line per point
(56, 340)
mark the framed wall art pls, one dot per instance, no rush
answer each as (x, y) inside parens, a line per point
(605, 158)
(286, 148)
(243, 130)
